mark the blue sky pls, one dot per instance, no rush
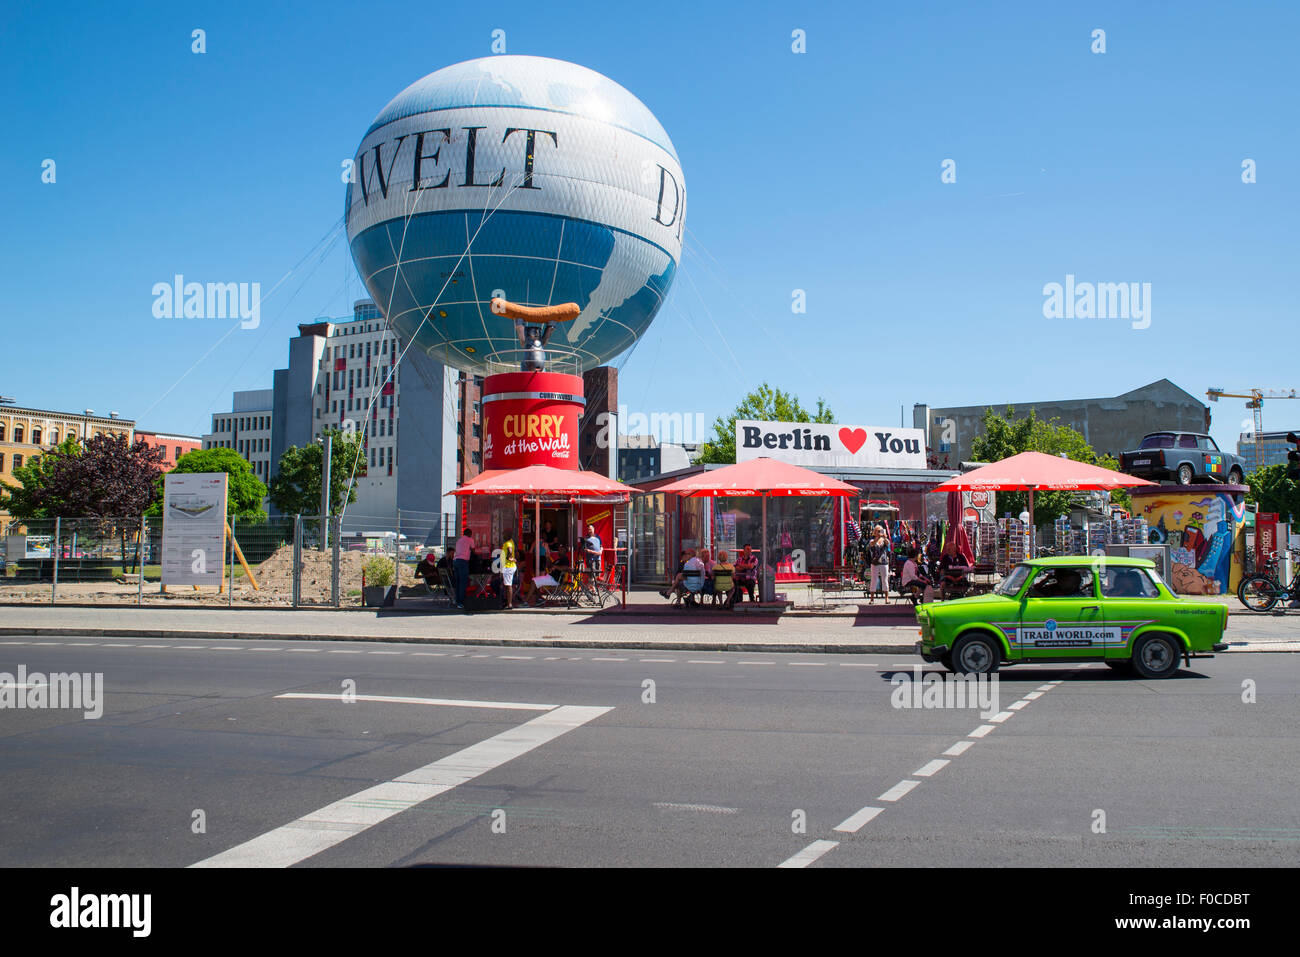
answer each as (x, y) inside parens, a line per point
(817, 171)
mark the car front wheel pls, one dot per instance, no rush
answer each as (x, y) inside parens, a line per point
(1155, 656)
(975, 655)
(1234, 477)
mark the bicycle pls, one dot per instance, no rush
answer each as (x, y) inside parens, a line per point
(1263, 590)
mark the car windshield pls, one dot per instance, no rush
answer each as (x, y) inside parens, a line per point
(1164, 441)
(1010, 585)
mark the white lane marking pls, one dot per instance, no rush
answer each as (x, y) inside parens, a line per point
(931, 768)
(857, 664)
(1053, 684)
(480, 656)
(320, 830)
(806, 664)
(515, 657)
(905, 664)
(711, 808)
(91, 644)
(214, 647)
(344, 651)
(607, 659)
(306, 650)
(385, 652)
(700, 661)
(1002, 716)
(250, 649)
(809, 854)
(199, 647)
(548, 657)
(396, 699)
(755, 662)
(1033, 696)
(981, 731)
(898, 790)
(29, 642)
(1017, 705)
(853, 823)
(138, 646)
(663, 661)
(429, 654)
(1042, 688)
(961, 747)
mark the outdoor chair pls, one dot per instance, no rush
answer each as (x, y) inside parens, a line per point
(688, 592)
(724, 588)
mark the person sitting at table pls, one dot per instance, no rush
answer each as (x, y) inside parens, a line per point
(746, 572)
(428, 570)
(915, 583)
(723, 569)
(707, 559)
(691, 564)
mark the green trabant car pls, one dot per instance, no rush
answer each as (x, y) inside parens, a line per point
(1085, 608)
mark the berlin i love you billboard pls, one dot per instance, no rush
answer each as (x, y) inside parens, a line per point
(814, 446)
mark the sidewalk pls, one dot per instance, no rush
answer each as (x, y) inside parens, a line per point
(671, 630)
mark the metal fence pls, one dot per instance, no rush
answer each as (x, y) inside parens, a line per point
(296, 561)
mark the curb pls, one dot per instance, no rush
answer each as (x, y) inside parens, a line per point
(748, 647)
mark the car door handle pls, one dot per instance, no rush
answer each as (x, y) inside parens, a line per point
(1090, 608)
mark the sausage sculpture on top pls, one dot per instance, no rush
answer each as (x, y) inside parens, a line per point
(534, 325)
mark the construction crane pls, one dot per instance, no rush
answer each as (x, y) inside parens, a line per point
(1255, 402)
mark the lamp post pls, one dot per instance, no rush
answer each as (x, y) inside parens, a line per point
(326, 475)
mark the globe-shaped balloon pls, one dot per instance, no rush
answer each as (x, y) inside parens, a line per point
(525, 178)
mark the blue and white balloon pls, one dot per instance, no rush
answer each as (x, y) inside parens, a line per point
(523, 177)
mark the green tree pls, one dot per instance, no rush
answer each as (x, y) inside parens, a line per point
(30, 499)
(1006, 435)
(1272, 491)
(764, 404)
(296, 488)
(244, 490)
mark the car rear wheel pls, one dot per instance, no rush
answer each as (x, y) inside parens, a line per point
(975, 655)
(1155, 656)
(1185, 474)
(1258, 593)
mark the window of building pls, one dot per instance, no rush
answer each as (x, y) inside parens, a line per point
(54, 437)
(36, 436)
(476, 458)
(2, 431)
(18, 433)
(178, 455)
(18, 461)
(2, 461)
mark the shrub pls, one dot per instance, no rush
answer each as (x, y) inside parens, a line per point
(378, 571)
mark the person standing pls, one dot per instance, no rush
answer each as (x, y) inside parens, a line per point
(879, 553)
(592, 549)
(508, 565)
(460, 564)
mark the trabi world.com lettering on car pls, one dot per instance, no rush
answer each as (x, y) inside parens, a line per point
(1057, 636)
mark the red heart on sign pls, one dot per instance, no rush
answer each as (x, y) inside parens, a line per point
(853, 439)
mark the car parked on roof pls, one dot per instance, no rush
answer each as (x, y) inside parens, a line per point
(1073, 609)
(1182, 457)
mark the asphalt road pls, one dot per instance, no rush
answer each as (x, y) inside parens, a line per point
(544, 756)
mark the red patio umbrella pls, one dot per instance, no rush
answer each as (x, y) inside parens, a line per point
(1037, 471)
(761, 477)
(538, 480)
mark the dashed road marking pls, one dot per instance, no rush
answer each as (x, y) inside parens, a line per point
(385, 652)
(931, 768)
(713, 661)
(516, 657)
(609, 659)
(1033, 696)
(755, 662)
(1017, 705)
(981, 731)
(1002, 716)
(806, 664)
(664, 661)
(710, 808)
(1041, 688)
(810, 854)
(961, 747)
(898, 790)
(854, 822)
